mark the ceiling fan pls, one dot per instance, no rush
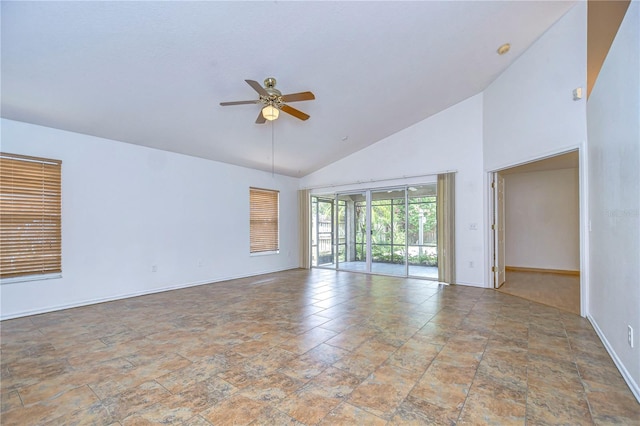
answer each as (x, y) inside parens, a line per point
(273, 101)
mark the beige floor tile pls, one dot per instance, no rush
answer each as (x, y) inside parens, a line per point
(66, 403)
(197, 421)
(203, 369)
(272, 387)
(358, 365)
(236, 410)
(308, 405)
(96, 414)
(326, 353)
(482, 410)
(347, 414)
(134, 400)
(205, 394)
(304, 368)
(612, 404)
(307, 340)
(351, 338)
(383, 391)
(160, 413)
(271, 416)
(417, 412)
(548, 405)
(415, 355)
(445, 385)
(10, 400)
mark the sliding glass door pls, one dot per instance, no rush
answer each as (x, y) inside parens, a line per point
(322, 232)
(353, 231)
(422, 232)
(387, 231)
(333, 232)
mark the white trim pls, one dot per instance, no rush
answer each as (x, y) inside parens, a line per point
(470, 284)
(26, 278)
(488, 237)
(584, 219)
(264, 253)
(380, 183)
(134, 294)
(537, 157)
(635, 389)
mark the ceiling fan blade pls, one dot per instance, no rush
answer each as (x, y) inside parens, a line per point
(260, 119)
(239, 103)
(302, 96)
(296, 113)
(257, 87)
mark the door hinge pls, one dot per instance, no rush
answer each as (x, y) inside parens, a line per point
(493, 226)
(493, 184)
(493, 269)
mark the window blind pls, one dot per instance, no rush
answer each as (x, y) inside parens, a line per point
(263, 220)
(30, 216)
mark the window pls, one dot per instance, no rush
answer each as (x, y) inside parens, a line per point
(263, 220)
(30, 235)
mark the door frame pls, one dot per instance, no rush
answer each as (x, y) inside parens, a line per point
(497, 226)
(584, 222)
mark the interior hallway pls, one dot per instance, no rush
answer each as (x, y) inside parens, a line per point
(311, 347)
(561, 291)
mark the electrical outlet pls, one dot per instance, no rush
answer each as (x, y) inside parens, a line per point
(630, 335)
(200, 263)
(470, 264)
(154, 268)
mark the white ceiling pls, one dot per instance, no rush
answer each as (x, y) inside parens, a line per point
(153, 73)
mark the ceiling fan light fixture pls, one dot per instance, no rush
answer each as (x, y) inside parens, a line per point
(270, 112)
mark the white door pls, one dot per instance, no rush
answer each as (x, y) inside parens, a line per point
(499, 275)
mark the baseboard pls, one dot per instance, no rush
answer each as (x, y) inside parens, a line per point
(470, 284)
(635, 389)
(542, 270)
(96, 301)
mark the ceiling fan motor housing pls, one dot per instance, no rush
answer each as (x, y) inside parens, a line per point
(275, 95)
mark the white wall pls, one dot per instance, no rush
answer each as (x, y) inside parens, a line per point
(614, 198)
(542, 219)
(127, 207)
(450, 140)
(529, 111)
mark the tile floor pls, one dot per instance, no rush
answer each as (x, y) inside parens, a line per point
(311, 347)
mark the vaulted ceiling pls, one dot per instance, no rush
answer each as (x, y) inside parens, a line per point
(153, 73)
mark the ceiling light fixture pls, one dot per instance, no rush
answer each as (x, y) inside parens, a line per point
(503, 49)
(270, 112)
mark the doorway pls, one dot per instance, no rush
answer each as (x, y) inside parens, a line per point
(536, 231)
